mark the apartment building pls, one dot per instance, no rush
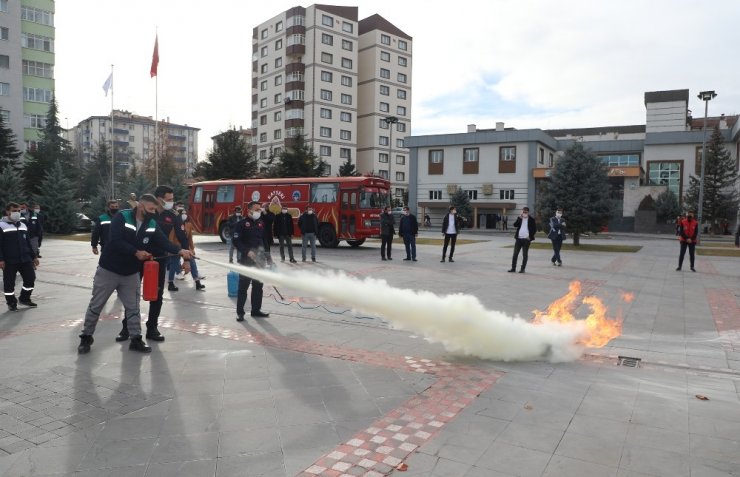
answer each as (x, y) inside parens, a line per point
(500, 168)
(134, 139)
(26, 67)
(321, 73)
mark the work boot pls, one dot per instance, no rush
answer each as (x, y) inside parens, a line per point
(137, 344)
(85, 342)
(171, 287)
(12, 306)
(28, 303)
(260, 314)
(154, 334)
(198, 285)
(123, 335)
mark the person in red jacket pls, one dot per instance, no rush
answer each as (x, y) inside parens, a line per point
(688, 231)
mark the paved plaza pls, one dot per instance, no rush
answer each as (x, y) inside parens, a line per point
(321, 390)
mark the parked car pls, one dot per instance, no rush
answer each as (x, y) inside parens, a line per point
(84, 223)
(397, 212)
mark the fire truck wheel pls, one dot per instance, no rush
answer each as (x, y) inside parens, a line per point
(223, 232)
(327, 236)
(355, 243)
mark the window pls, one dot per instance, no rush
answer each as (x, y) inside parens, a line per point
(296, 20)
(384, 73)
(472, 194)
(347, 45)
(294, 114)
(325, 113)
(31, 14)
(278, 62)
(296, 40)
(346, 63)
(383, 173)
(326, 20)
(345, 153)
(384, 107)
(385, 56)
(325, 132)
(666, 173)
(400, 176)
(326, 76)
(296, 95)
(37, 95)
(5, 115)
(263, 34)
(5, 62)
(278, 98)
(346, 99)
(402, 61)
(279, 44)
(35, 121)
(401, 94)
(345, 117)
(401, 127)
(385, 39)
(399, 142)
(36, 68)
(327, 169)
(541, 157)
(435, 195)
(263, 154)
(436, 162)
(325, 151)
(4, 33)
(345, 134)
(279, 26)
(383, 157)
(278, 80)
(278, 116)
(622, 160)
(294, 76)
(326, 95)
(346, 80)
(383, 124)
(401, 160)
(550, 160)
(347, 27)
(263, 103)
(327, 58)
(401, 78)
(385, 90)
(383, 141)
(470, 154)
(507, 153)
(263, 85)
(263, 120)
(3, 5)
(263, 68)
(37, 42)
(263, 137)
(401, 110)
(5, 90)
(402, 45)
(506, 194)
(263, 51)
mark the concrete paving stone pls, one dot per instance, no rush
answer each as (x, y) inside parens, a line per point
(420, 464)
(254, 441)
(131, 428)
(544, 418)
(498, 409)
(111, 454)
(655, 461)
(719, 408)
(565, 466)
(600, 449)
(713, 448)
(298, 460)
(608, 407)
(314, 412)
(300, 437)
(239, 385)
(75, 437)
(179, 448)
(713, 468)
(450, 468)
(720, 428)
(47, 460)
(514, 460)
(251, 466)
(195, 468)
(487, 429)
(362, 408)
(523, 435)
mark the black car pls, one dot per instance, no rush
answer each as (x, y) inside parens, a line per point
(84, 223)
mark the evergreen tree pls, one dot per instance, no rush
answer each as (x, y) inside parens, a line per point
(181, 191)
(461, 202)
(160, 165)
(11, 187)
(97, 173)
(348, 169)
(299, 161)
(667, 206)
(721, 197)
(57, 199)
(9, 153)
(136, 183)
(51, 148)
(231, 158)
(580, 184)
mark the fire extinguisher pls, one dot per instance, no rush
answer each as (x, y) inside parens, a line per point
(151, 280)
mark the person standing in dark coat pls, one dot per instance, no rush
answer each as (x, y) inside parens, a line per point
(231, 224)
(283, 228)
(689, 231)
(249, 240)
(451, 226)
(36, 228)
(16, 255)
(557, 235)
(308, 223)
(387, 231)
(408, 229)
(524, 235)
(101, 226)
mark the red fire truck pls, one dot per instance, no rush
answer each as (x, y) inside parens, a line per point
(348, 208)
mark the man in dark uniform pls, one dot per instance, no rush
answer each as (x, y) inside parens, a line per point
(167, 221)
(233, 220)
(249, 239)
(131, 233)
(16, 255)
(35, 228)
(102, 226)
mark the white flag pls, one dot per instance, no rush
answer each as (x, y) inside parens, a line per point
(108, 84)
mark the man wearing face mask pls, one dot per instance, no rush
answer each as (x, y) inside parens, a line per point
(451, 226)
(133, 233)
(101, 226)
(283, 228)
(408, 228)
(387, 231)
(233, 220)
(35, 228)
(689, 231)
(249, 239)
(16, 255)
(525, 229)
(557, 235)
(308, 223)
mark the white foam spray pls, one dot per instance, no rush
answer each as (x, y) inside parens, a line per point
(459, 322)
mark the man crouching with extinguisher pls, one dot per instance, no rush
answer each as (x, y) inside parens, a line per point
(131, 233)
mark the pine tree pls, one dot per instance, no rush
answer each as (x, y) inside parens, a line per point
(9, 153)
(57, 199)
(11, 187)
(348, 169)
(667, 206)
(231, 158)
(721, 196)
(579, 183)
(299, 161)
(461, 202)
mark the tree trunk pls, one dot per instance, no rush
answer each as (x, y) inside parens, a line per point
(576, 239)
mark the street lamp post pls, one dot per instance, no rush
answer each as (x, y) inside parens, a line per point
(390, 121)
(705, 96)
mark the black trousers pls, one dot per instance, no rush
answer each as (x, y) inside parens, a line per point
(557, 244)
(385, 245)
(450, 240)
(523, 245)
(241, 298)
(684, 246)
(155, 307)
(27, 274)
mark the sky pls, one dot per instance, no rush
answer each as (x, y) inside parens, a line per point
(528, 63)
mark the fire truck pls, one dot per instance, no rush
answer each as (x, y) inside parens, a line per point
(348, 208)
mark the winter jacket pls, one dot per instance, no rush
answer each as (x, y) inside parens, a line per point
(446, 222)
(387, 224)
(100, 231)
(283, 225)
(531, 224)
(15, 242)
(308, 224)
(689, 230)
(557, 229)
(408, 225)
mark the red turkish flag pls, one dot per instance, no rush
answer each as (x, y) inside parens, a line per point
(155, 58)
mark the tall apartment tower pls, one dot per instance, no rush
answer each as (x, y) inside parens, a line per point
(320, 73)
(26, 67)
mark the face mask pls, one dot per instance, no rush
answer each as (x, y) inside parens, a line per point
(690, 217)
(238, 214)
(406, 212)
(23, 212)
(309, 212)
(524, 216)
(285, 211)
(113, 211)
(149, 215)
(184, 217)
(558, 214)
(453, 212)
(15, 216)
(36, 211)
(168, 205)
(255, 215)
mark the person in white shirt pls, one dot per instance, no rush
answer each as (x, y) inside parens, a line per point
(525, 229)
(451, 225)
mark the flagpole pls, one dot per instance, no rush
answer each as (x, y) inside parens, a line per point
(156, 128)
(112, 146)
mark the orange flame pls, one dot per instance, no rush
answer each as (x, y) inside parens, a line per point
(628, 296)
(599, 328)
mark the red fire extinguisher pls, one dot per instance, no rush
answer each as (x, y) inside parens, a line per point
(151, 280)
